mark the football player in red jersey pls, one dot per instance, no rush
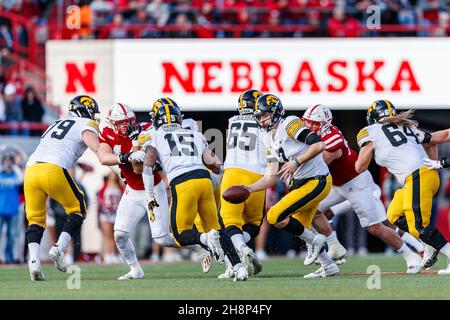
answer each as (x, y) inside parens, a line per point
(118, 138)
(358, 189)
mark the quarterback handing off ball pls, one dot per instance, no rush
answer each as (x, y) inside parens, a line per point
(236, 194)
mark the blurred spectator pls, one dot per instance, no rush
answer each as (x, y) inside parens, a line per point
(274, 21)
(2, 108)
(159, 12)
(13, 109)
(428, 13)
(441, 30)
(118, 31)
(11, 177)
(5, 36)
(313, 21)
(183, 31)
(32, 109)
(86, 20)
(108, 201)
(341, 25)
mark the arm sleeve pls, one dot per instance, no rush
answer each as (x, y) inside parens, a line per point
(308, 137)
(149, 181)
(422, 136)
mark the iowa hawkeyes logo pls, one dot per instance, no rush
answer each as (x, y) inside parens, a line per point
(156, 106)
(88, 102)
(271, 100)
(256, 94)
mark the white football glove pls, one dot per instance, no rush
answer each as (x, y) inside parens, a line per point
(432, 164)
(139, 156)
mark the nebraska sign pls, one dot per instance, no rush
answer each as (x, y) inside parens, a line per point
(210, 74)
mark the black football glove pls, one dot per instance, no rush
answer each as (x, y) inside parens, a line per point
(133, 131)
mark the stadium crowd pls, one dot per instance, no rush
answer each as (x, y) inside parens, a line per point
(200, 18)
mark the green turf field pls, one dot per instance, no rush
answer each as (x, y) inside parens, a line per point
(280, 279)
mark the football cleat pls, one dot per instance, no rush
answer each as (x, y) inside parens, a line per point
(327, 271)
(240, 272)
(309, 255)
(57, 257)
(228, 274)
(250, 261)
(414, 264)
(132, 274)
(316, 245)
(206, 262)
(445, 272)
(336, 251)
(430, 257)
(34, 266)
(214, 245)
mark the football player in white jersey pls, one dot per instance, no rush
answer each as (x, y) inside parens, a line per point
(46, 175)
(395, 142)
(183, 154)
(289, 141)
(358, 188)
(245, 163)
(191, 124)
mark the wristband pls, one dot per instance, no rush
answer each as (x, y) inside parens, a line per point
(297, 163)
(123, 158)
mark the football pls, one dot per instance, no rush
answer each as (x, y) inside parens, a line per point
(236, 194)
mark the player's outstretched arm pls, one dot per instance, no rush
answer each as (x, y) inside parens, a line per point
(268, 180)
(329, 157)
(439, 137)
(290, 167)
(211, 161)
(364, 158)
(102, 150)
(151, 155)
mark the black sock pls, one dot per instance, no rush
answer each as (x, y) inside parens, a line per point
(295, 227)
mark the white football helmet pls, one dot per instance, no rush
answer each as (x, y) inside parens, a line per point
(320, 115)
(121, 116)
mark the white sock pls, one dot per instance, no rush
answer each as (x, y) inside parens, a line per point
(247, 237)
(238, 241)
(307, 235)
(33, 249)
(446, 250)
(405, 251)
(324, 259)
(126, 247)
(409, 239)
(332, 236)
(204, 239)
(63, 241)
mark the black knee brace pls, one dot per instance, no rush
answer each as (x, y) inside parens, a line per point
(73, 224)
(228, 247)
(295, 227)
(251, 229)
(432, 236)
(232, 230)
(189, 237)
(402, 224)
(34, 233)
